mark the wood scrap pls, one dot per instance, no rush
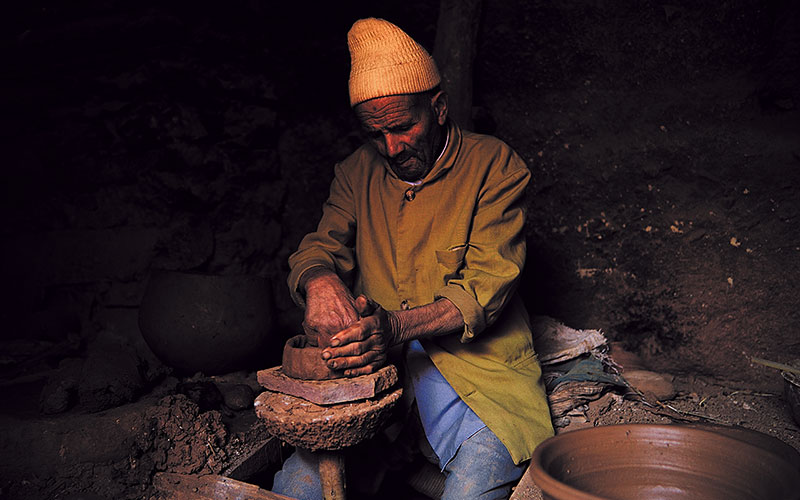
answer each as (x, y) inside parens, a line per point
(255, 460)
(570, 395)
(209, 487)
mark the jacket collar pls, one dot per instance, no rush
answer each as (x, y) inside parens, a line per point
(448, 157)
(445, 161)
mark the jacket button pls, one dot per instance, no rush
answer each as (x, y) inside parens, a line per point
(404, 305)
(410, 195)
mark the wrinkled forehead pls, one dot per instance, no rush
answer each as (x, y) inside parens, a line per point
(389, 111)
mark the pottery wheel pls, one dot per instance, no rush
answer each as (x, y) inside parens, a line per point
(302, 423)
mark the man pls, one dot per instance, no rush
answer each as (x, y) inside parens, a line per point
(419, 249)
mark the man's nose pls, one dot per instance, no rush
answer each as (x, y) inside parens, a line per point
(394, 145)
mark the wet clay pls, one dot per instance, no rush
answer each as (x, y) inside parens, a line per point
(302, 360)
(314, 427)
(636, 461)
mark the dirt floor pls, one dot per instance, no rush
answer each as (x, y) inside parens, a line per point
(663, 138)
(700, 400)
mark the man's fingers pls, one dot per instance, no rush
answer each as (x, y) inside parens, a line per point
(360, 348)
(365, 306)
(355, 354)
(358, 332)
(355, 348)
(358, 365)
(312, 334)
(364, 370)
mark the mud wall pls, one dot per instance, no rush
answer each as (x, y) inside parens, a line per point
(663, 139)
(196, 137)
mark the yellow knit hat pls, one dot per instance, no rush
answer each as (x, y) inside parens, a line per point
(384, 61)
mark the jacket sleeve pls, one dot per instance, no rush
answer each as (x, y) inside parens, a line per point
(496, 250)
(331, 245)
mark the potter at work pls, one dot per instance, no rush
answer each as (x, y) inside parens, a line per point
(415, 262)
(164, 159)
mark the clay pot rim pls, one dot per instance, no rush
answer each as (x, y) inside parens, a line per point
(648, 433)
(791, 391)
(790, 377)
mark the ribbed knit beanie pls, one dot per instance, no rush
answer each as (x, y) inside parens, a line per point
(385, 61)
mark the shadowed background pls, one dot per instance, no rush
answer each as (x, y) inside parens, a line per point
(663, 140)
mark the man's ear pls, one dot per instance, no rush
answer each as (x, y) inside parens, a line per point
(439, 106)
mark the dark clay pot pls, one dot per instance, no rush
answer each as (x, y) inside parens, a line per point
(634, 461)
(207, 323)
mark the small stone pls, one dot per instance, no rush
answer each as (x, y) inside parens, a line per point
(238, 397)
(57, 397)
(647, 382)
(61, 391)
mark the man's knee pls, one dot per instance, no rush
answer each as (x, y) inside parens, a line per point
(482, 469)
(299, 477)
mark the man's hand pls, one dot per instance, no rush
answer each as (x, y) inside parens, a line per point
(361, 348)
(330, 306)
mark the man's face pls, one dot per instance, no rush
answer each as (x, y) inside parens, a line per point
(406, 130)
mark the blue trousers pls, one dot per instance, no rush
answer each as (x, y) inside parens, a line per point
(482, 469)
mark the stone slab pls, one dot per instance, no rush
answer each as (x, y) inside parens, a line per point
(328, 392)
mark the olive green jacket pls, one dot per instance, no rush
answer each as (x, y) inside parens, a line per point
(457, 235)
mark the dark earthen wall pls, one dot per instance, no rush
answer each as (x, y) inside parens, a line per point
(190, 136)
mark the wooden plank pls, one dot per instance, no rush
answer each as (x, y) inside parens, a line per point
(331, 474)
(255, 460)
(328, 392)
(209, 487)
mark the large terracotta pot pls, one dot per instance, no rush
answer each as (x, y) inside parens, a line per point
(207, 323)
(635, 461)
